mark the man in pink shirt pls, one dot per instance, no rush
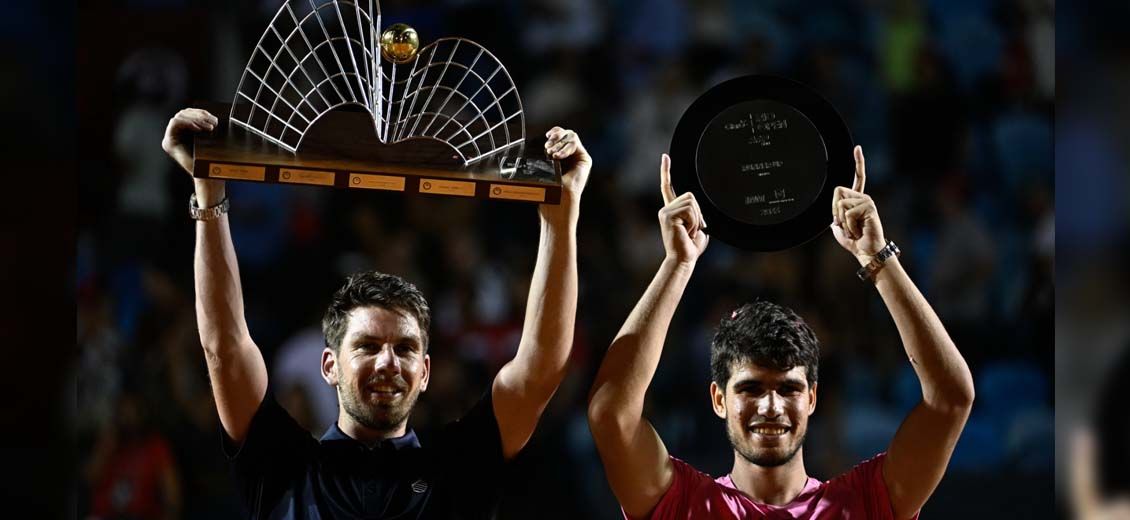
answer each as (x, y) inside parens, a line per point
(764, 370)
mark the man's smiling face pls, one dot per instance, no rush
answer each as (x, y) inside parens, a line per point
(380, 368)
(766, 411)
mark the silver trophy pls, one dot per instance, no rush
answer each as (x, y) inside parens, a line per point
(327, 98)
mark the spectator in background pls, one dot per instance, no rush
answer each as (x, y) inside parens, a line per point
(298, 376)
(964, 258)
(153, 79)
(902, 33)
(131, 472)
(554, 24)
(652, 114)
(99, 370)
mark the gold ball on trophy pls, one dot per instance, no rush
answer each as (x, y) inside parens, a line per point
(399, 43)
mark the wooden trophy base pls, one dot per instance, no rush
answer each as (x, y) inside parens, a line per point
(341, 150)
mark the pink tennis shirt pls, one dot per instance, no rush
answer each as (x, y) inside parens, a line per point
(858, 494)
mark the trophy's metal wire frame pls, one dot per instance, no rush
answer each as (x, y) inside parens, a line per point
(316, 57)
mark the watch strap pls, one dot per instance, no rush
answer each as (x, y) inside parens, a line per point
(867, 273)
(210, 213)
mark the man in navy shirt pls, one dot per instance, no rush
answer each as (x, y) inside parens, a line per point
(369, 464)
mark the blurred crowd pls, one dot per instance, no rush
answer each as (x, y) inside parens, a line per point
(951, 100)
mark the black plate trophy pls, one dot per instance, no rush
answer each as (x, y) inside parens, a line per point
(762, 155)
(329, 99)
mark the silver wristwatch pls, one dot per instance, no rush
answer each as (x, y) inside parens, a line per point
(211, 213)
(867, 272)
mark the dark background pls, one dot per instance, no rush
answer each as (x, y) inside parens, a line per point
(951, 100)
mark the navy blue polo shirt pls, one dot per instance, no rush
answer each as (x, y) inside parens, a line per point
(283, 472)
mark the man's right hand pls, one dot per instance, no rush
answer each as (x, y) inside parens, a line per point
(178, 137)
(680, 219)
(178, 134)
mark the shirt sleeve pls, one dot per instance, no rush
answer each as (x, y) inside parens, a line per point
(271, 459)
(471, 460)
(475, 439)
(865, 481)
(678, 500)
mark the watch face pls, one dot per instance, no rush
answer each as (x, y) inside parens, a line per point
(762, 155)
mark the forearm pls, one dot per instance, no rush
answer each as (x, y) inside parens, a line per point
(944, 375)
(630, 363)
(551, 306)
(219, 298)
(636, 462)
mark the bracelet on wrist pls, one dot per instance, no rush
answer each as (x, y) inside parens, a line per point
(868, 272)
(209, 213)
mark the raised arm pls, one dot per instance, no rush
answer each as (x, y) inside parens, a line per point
(525, 384)
(921, 449)
(635, 459)
(235, 365)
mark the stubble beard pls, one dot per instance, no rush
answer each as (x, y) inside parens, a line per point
(377, 417)
(763, 458)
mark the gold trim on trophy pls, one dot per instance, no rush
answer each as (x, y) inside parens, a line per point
(376, 182)
(242, 172)
(446, 187)
(314, 177)
(510, 192)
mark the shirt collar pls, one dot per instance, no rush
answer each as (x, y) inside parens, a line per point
(408, 440)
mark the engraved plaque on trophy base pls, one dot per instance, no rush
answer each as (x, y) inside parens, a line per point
(341, 150)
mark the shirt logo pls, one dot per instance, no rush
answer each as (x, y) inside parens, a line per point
(419, 486)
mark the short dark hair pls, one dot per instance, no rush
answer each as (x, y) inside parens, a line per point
(767, 334)
(372, 288)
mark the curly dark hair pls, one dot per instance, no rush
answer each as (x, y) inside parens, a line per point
(767, 334)
(371, 288)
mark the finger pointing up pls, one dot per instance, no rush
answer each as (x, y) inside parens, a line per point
(860, 170)
(665, 179)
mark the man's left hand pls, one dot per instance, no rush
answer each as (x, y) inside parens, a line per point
(565, 146)
(855, 220)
